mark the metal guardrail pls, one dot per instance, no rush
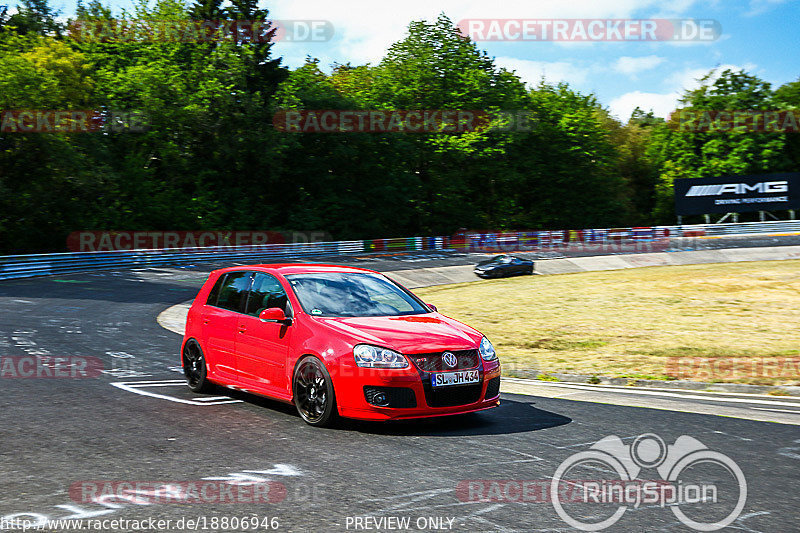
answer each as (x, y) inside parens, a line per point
(744, 228)
(23, 266)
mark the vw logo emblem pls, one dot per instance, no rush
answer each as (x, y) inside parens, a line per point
(449, 359)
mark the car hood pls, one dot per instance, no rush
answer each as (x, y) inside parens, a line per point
(408, 334)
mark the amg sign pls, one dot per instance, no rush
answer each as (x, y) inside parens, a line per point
(737, 194)
(738, 188)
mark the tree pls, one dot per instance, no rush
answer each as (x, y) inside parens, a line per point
(787, 98)
(437, 68)
(637, 163)
(32, 17)
(207, 10)
(689, 154)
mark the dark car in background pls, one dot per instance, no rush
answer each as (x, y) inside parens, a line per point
(503, 266)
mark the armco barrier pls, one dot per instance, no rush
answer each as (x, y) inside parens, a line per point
(776, 226)
(22, 266)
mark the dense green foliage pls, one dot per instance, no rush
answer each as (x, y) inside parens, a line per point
(211, 158)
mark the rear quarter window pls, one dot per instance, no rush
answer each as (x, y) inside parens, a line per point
(214, 294)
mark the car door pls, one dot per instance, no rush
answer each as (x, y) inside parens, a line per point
(263, 347)
(507, 266)
(220, 318)
(519, 266)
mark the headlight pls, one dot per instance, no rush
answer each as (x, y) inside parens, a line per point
(376, 357)
(487, 350)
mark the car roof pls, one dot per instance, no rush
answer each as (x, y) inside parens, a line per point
(296, 268)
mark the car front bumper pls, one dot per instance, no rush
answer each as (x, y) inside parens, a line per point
(414, 386)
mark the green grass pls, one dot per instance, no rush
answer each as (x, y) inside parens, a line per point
(629, 323)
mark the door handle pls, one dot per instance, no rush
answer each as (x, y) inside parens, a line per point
(242, 329)
(206, 321)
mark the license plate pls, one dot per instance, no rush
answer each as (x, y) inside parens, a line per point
(444, 379)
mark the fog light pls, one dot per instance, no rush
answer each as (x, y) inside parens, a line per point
(394, 397)
(380, 399)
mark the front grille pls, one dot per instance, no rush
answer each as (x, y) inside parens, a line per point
(492, 388)
(397, 397)
(432, 362)
(452, 396)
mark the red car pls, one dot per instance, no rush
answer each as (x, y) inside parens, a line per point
(335, 341)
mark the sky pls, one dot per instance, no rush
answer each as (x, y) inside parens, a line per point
(759, 36)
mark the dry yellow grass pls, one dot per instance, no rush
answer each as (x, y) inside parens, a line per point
(630, 323)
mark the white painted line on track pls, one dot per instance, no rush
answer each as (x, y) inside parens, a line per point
(776, 410)
(137, 387)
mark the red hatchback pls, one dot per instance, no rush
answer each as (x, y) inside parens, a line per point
(335, 341)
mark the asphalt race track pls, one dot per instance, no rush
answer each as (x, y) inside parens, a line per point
(135, 421)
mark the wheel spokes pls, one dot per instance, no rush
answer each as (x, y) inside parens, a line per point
(193, 360)
(311, 391)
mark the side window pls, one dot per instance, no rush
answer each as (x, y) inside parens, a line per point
(233, 291)
(214, 294)
(265, 293)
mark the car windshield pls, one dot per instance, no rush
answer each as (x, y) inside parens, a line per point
(352, 295)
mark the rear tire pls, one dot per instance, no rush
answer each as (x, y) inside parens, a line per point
(313, 393)
(194, 368)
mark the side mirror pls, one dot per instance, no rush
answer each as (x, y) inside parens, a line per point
(274, 314)
(432, 308)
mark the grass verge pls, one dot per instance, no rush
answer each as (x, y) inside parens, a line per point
(732, 322)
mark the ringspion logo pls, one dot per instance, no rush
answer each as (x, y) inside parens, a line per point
(705, 489)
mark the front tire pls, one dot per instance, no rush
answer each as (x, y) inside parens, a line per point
(194, 368)
(313, 393)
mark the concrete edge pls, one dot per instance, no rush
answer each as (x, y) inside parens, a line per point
(676, 385)
(174, 318)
